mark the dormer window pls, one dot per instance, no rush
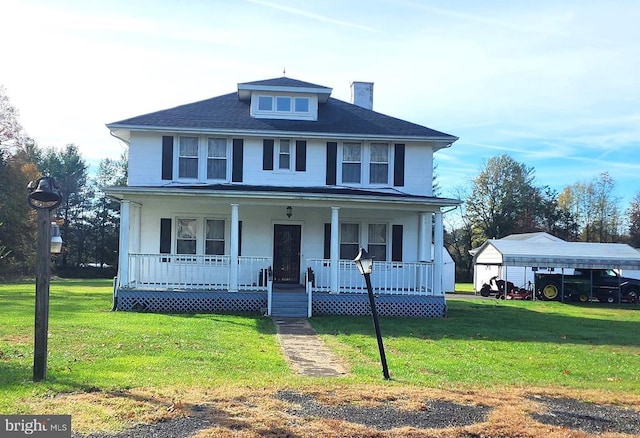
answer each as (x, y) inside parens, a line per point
(281, 106)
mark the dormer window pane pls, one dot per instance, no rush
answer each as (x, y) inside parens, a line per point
(265, 103)
(301, 104)
(283, 104)
(188, 159)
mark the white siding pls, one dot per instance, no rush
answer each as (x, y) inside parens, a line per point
(418, 172)
(145, 164)
(145, 159)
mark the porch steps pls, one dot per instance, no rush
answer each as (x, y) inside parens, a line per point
(289, 302)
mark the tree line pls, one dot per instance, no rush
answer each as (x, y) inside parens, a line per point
(88, 220)
(505, 199)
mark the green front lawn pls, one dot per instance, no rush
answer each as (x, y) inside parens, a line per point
(482, 343)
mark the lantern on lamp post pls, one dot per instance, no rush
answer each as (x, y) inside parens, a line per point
(364, 262)
(44, 196)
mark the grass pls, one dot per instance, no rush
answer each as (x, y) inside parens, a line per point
(125, 367)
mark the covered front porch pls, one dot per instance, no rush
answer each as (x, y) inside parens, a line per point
(175, 283)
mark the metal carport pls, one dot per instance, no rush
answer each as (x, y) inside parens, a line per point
(577, 255)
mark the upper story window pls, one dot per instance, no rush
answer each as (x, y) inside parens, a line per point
(284, 155)
(351, 162)
(201, 159)
(188, 157)
(379, 163)
(217, 158)
(365, 163)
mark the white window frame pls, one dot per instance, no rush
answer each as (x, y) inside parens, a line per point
(343, 162)
(203, 159)
(356, 243)
(226, 159)
(206, 239)
(188, 157)
(380, 244)
(292, 113)
(378, 163)
(200, 226)
(177, 240)
(365, 164)
(279, 154)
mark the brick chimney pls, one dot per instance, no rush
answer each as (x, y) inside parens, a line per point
(362, 94)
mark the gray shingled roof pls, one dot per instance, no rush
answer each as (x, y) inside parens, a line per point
(284, 82)
(229, 113)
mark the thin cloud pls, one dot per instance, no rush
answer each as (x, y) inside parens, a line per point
(314, 16)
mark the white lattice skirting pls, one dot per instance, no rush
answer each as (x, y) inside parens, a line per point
(191, 302)
(256, 302)
(386, 305)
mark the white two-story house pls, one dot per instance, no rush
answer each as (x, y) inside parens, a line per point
(259, 200)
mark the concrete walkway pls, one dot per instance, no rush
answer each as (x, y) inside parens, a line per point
(305, 351)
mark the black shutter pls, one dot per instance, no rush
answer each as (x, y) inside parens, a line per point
(301, 155)
(236, 172)
(167, 157)
(398, 166)
(327, 241)
(332, 162)
(396, 243)
(239, 238)
(267, 154)
(165, 236)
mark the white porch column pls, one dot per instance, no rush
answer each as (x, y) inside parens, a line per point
(233, 274)
(135, 225)
(438, 245)
(424, 237)
(335, 250)
(123, 244)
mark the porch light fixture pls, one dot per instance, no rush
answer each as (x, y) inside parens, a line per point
(56, 239)
(364, 262)
(44, 196)
(289, 211)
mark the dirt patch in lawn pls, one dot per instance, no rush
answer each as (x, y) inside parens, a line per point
(337, 410)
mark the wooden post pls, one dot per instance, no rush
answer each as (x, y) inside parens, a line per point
(43, 276)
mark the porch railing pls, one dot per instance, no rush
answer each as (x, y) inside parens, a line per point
(400, 278)
(186, 271)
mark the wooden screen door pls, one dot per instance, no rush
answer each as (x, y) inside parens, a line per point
(286, 253)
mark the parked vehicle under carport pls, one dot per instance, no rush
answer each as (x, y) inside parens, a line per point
(583, 285)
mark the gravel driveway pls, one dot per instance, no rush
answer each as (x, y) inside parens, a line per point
(565, 412)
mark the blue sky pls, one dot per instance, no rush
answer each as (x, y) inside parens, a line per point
(556, 85)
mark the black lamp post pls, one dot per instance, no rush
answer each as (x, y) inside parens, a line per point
(364, 262)
(43, 196)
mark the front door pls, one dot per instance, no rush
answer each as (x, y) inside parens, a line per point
(286, 253)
